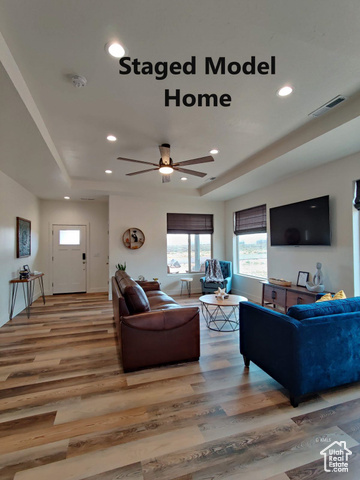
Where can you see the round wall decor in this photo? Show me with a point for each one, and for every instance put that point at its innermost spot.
(133, 238)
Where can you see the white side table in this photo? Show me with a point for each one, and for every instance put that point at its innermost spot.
(187, 283)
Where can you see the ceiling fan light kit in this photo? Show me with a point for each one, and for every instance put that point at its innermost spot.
(166, 165)
(166, 170)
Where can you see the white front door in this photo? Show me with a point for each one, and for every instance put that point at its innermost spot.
(69, 258)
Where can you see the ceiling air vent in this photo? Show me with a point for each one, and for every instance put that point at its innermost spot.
(325, 108)
(87, 199)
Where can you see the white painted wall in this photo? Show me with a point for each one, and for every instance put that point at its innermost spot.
(150, 216)
(92, 213)
(15, 201)
(335, 179)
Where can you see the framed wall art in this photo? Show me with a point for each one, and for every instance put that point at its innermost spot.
(23, 237)
(133, 238)
(303, 277)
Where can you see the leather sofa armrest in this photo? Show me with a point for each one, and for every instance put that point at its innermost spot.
(167, 319)
(160, 337)
(148, 286)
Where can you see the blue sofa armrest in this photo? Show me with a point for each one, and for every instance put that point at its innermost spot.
(270, 339)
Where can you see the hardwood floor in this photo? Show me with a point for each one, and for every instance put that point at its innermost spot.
(69, 412)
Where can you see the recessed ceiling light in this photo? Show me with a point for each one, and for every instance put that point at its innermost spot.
(214, 151)
(108, 171)
(285, 91)
(115, 49)
(111, 138)
(67, 198)
(183, 179)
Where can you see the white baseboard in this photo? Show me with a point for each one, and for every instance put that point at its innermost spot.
(92, 290)
(98, 290)
(248, 296)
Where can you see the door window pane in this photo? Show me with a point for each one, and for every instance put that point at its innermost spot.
(69, 237)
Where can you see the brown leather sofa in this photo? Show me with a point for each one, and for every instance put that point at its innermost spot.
(152, 328)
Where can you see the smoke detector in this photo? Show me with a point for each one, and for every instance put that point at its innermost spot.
(79, 81)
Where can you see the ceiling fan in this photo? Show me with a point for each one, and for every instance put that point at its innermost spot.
(166, 165)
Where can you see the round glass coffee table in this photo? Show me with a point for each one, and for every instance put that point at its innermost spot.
(221, 315)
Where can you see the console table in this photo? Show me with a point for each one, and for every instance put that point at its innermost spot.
(286, 297)
(28, 285)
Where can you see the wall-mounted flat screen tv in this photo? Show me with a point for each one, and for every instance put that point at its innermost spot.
(301, 223)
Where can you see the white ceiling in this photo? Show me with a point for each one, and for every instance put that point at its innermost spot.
(49, 126)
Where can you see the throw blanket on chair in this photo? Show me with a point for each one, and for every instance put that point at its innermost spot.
(213, 272)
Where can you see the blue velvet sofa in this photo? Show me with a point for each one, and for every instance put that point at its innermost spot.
(210, 287)
(312, 348)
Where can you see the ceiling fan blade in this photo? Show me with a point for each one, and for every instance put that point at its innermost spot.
(194, 161)
(165, 153)
(190, 172)
(141, 171)
(165, 178)
(136, 161)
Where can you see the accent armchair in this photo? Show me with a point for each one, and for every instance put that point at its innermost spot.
(210, 287)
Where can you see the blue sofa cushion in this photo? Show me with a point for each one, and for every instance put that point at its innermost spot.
(332, 307)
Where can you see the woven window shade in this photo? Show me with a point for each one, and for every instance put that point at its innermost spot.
(189, 223)
(251, 220)
(357, 195)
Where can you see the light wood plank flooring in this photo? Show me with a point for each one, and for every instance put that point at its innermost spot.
(68, 412)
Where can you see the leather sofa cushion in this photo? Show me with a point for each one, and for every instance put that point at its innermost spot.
(301, 312)
(162, 320)
(159, 300)
(136, 299)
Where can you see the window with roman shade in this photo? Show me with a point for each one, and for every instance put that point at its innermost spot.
(251, 220)
(189, 241)
(190, 223)
(251, 241)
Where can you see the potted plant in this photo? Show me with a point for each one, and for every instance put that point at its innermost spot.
(121, 266)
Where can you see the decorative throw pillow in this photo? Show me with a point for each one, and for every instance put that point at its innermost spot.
(324, 298)
(338, 296)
